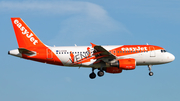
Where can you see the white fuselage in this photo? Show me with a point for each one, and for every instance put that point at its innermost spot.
(143, 58)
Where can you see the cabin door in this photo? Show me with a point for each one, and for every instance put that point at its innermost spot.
(152, 51)
(49, 53)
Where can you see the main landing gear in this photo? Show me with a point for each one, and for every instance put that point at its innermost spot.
(93, 75)
(150, 73)
(100, 73)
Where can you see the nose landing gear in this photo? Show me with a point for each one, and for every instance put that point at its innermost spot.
(150, 73)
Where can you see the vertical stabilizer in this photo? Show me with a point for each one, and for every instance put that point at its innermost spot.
(24, 35)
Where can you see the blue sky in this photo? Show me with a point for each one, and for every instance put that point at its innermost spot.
(66, 22)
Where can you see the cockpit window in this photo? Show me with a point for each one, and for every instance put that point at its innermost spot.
(162, 51)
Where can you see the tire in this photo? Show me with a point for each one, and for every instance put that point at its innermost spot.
(92, 75)
(150, 73)
(100, 73)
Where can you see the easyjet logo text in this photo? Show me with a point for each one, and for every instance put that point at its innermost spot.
(134, 49)
(25, 32)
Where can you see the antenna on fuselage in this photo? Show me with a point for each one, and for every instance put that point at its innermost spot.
(75, 44)
(147, 44)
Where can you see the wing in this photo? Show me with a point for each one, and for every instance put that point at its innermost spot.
(102, 54)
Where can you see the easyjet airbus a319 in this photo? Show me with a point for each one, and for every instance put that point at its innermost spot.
(111, 59)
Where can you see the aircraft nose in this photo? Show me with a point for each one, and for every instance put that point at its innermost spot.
(171, 57)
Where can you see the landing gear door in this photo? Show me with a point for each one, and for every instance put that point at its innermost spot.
(49, 54)
(152, 51)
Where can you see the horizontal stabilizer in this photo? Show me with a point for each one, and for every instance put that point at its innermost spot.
(25, 51)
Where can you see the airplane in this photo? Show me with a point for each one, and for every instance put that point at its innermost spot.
(111, 59)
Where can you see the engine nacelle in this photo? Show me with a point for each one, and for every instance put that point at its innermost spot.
(119, 65)
(126, 64)
(113, 70)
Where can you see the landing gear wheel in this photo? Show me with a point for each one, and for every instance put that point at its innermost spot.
(150, 73)
(100, 73)
(92, 75)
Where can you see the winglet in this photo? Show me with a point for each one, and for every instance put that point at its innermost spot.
(93, 45)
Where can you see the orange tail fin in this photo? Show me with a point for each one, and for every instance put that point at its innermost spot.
(24, 35)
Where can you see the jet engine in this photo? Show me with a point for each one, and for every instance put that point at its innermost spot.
(121, 64)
